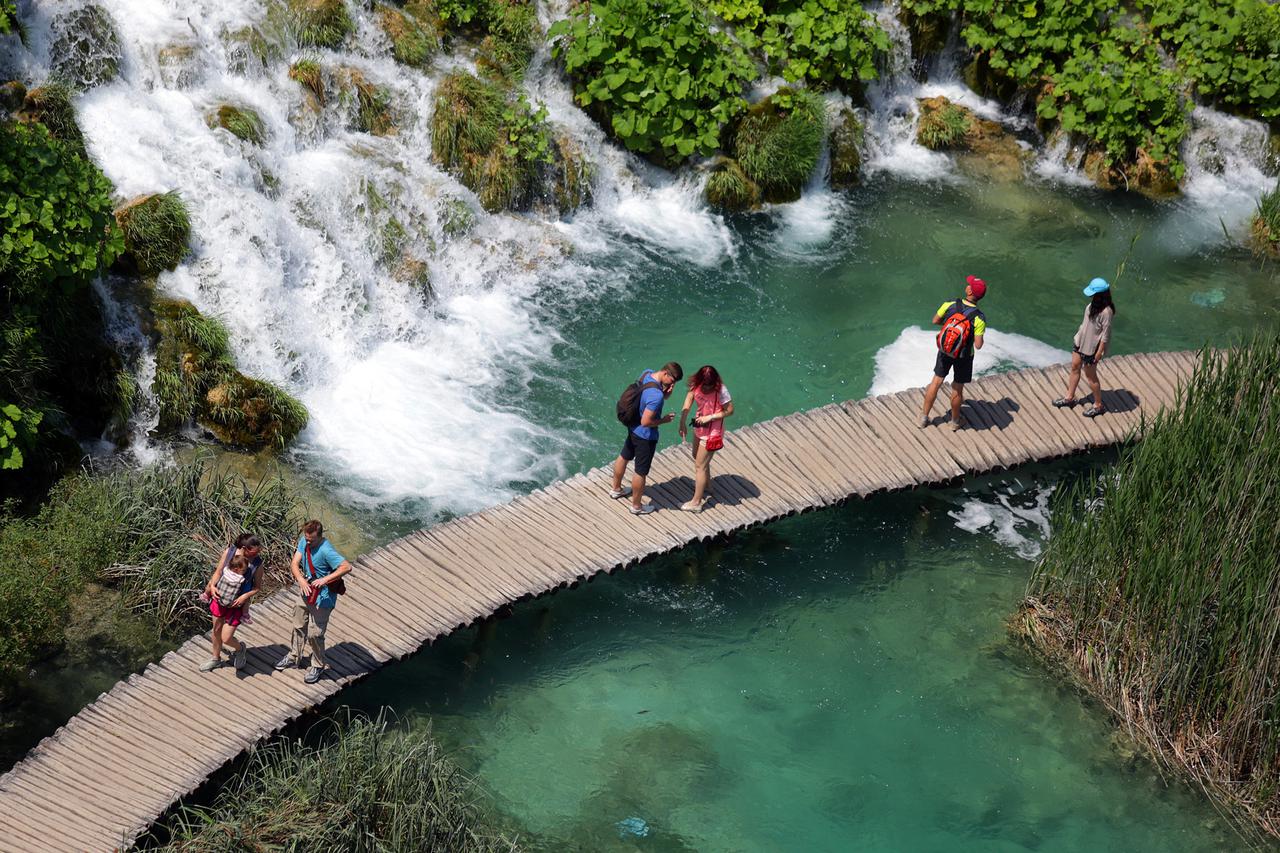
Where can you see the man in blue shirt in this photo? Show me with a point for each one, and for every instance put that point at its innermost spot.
(642, 440)
(316, 566)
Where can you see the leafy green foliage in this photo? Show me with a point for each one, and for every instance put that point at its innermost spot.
(778, 142)
(655, 73)
(8, 17)
(17, 430)
(1231, 49)
(156, 230)
(830, 43)
(364, 785)
(944, 127)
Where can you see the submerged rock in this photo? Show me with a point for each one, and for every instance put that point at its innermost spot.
(85, 50)
(985, 148)
(728, 187)
(845, 145)
(778, 141)
(156, 231)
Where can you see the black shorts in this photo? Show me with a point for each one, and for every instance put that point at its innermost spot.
(1085, 359)
(963, 367)
(641, 450)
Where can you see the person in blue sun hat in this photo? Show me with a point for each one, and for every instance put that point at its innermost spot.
(1090, 345)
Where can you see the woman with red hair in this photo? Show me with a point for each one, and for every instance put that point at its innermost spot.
(708, 394)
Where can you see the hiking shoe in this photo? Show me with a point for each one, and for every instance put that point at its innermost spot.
(1094, 411)
(643, 509)
(241, 655)
(619, 493)
(211, 664)
(1063, 403)
(287, 661)
(313, 675)
(691, 506)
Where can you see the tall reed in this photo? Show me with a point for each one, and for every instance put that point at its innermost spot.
(1160, 586)
(366, 785)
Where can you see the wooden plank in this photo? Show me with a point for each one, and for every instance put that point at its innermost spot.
(932, 462)
(864, 449)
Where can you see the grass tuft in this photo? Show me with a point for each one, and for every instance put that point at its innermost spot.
(243, 123)
(309, 73)
(156, 230)
(321, 23)
(729, 188)
(943, 125)
(778, 141)
(50, 105)
(415, 38)
(1266, 223)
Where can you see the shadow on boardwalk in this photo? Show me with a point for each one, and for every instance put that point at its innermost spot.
(999, 414)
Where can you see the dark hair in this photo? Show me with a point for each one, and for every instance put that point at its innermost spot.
(1101, 302)
(248, 540)
(707, 379)
(313, 527)
(674, 368)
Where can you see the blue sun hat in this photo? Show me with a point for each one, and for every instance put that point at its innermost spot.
(1096, 286)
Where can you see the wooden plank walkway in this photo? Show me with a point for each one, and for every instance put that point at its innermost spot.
(99, 781)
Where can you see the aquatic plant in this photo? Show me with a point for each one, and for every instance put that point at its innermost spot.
(1266, 222)
(778, 141)
(729, 188)
(943, 125)
(310, 75)
(85, 50)
(414, 32)
(354, 783)
(156, 229)
(1159, 587)
(321, 23)
(242, 122)
(654, 73)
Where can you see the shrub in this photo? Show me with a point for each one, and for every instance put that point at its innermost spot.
(85, 50)
(364, 785)
(321, 23)
(1266, 222)
(943, 125)
(1160, 581)
(729, 188)
(156, 230)
(17, 431)
(654, 73)
(413, 41)
(8, 17)
(309, 73)
(242, 122)
(778, 142)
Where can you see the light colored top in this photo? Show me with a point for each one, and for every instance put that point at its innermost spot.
(1094, 331)
(710, 404)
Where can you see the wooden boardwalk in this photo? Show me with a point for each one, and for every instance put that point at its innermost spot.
(101, 779)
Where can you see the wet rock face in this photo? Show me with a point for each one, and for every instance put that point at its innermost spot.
(85, 50)
(985, 148)
(177, 65)
(1145, 175)
(845, 144)
(12, 94)
(729, 189)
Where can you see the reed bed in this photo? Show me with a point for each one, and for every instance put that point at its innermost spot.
(1160, 587)
(362, 784)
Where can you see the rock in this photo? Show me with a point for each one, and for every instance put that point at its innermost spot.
(845, 146)
(85, 50)
(321, 23)
(248, 50)
(778, 141)
(456, 217)
(1097, 168)
(1273, 153)
(991, 83)
(1145, 175)
(177, 64)
(241, 122)
(245, 412)
(156, 231)
(728, 187)
(416, 273)
(928, 32)
(944, 126)
(310, 75)
(414, 39)
(571, 175)
(985, 148)
(12, 94)
(371, 104)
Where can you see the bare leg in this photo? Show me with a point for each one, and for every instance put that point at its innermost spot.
(217, 636)
(1073, 378)
(931, 394)
(957, 400)
(229, 637)
(1091, 374)
(701, 472)
(619, 468)
(637, 490)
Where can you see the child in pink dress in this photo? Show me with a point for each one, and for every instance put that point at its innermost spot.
(708, 394)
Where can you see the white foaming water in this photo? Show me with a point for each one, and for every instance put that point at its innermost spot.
(1226, 160)
(1007, 517)
(908, 361)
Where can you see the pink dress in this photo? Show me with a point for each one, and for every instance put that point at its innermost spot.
(710, 404)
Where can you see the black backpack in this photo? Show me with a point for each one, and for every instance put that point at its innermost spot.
(629, 402)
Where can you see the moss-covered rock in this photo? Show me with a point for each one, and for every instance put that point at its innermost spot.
(321, 23)
(243, 123)
(248, 50)
(310, 75)
(244, 412)
(778, 141)
(414, 32)
(177, 64)
(156, 231)
(12, 94)
(456, 217)
(572, 175)
(845, 145)
(1146, 175)
(511, 29)
(369, 105)
(85, 50)
(928, 32)
(989, 82)
(470, 137)
(50, 106)
(728, 187)
(985, 149)
(1266, 224)
(944, 126)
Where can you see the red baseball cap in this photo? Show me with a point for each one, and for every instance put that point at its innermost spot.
(977, 285)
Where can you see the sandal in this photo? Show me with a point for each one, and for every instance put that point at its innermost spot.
(1094, 411)
(690, 506)
(1064, 403)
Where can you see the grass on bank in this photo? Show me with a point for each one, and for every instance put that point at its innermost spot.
(1160, 588)
(1266, 222)
(363, 785)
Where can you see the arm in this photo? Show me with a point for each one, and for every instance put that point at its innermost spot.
(296, 568)
(650, 419)
(977, 342)
(333, 575)
(937, 319)
(213, 580)
(684, 414)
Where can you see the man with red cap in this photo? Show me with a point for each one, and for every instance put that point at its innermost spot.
(963, 326)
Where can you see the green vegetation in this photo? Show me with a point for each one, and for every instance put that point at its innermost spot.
(17, 430)
(364, 785)
(152, 536)
(654, 73)
(309, 73)
(8, 17)
(1266, 222)
(156, 229)
(85, 50)
(573, 175)
(1159, 587)
(830, 43)
(495, 142)
(506, 29)
(729, 188)
(370, 104)
(943, 125)
(778, 141)
(321, 23)
(414, 32)
(196, 380)
(242, 122)
(50, 105)
(845, 144)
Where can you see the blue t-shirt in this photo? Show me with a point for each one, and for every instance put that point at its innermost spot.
(651, 400)
(325, 559)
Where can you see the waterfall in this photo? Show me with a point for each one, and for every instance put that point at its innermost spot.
(1227, 166)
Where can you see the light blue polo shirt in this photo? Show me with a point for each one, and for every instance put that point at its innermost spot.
(651, 400)
(325, 559)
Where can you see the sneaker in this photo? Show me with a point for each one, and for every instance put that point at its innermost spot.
(1094, 411)
(287, 661)
(924, 422)
(238, 660)
(1063, 402)
(691, 506)
(211, 664)
(313, 674)
(619, 493)
(643, 509)
(957, 424)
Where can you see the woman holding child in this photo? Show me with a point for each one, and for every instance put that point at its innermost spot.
(711, 399)
(234, 582)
